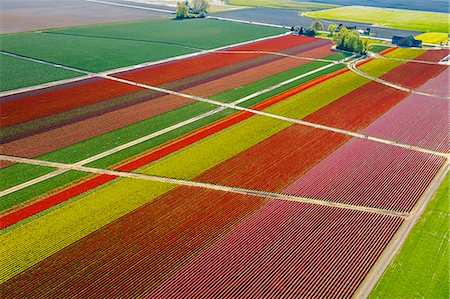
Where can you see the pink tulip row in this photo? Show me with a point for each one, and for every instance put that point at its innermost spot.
(418, 120)
(439, 85)
(367, 173)
(287, 250)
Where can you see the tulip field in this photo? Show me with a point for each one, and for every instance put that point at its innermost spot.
(266, 168)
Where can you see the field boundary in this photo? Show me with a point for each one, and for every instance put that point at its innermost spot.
(292, 120)
(192, 183)
(353, 67)
(168, 129)
(400, 236)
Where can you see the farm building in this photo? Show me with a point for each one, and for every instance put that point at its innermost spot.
(406, 41)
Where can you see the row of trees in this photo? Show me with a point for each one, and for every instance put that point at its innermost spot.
(349, 40)
(192, 9)
(345, 39)
(310, 31)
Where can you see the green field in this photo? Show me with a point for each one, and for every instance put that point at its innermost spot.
(285, 4)
(108, 46)
(393, 18)
(16, 73)
(420, 269)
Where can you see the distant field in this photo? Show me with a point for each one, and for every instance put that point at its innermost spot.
(420, 269)
(428, 5)
(17, 73)
(394, 18)
(285, 4)
(104, 47)
(433, 37)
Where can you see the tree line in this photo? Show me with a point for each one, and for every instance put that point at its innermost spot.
(344, 38)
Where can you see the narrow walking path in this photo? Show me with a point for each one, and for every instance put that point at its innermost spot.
(352, 66)
(292, 120)
(197, 184)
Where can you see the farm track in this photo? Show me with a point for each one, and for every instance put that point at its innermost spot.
(125, 174)
(353, 67)
(257, 112)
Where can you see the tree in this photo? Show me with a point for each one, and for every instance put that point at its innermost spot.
(349, 40)
(317, 25)
(182, 10)
(200, 6)
(332, 28)
(195, 9)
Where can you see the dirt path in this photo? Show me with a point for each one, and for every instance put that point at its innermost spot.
(292, 120)
(353, 68)
(67, 167)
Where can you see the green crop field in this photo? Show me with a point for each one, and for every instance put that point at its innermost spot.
(285, 4)
(108, 46)
(17, 73)
(393, 18)
(420, 269)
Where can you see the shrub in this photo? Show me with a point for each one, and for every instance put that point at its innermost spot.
(317, 26)
(310, 32)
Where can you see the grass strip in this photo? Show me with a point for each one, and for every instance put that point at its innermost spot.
(19, 173)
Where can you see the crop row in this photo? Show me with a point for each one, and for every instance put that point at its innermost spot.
(373, 174)
(286, 250)
(24, 107)
(358, 108)
(412, 74)
(438, 85)
(418, 120)
(25, 245)
(276, 161)
(136, 252)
